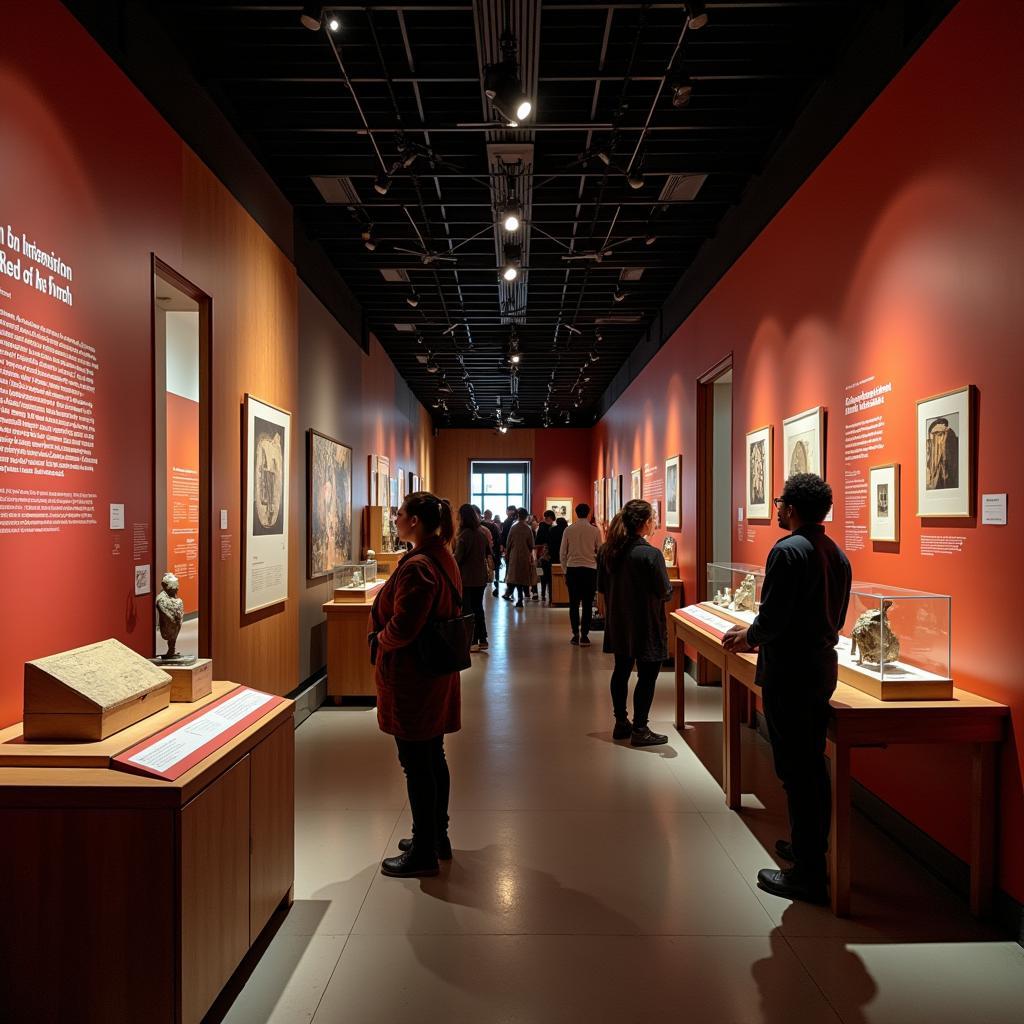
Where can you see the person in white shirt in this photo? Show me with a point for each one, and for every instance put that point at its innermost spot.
(578, 555)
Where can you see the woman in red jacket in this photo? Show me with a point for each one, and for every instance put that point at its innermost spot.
(418, 709)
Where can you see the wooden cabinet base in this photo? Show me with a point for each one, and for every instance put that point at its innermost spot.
(349, 672)
(135, 898)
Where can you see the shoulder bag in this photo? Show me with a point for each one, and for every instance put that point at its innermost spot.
(443, 645)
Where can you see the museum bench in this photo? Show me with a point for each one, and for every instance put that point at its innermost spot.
(132, 898)
(858, 719)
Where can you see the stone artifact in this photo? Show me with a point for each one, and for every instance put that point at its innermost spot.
(743, 599)
(873, 640)
(91, 692)
(170, 610)
(723, 597)
(668, 550)
(357, 578)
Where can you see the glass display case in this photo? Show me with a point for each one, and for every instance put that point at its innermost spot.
(352, 580)
(895, 643)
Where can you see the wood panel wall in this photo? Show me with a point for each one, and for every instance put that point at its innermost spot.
(255, 350)
(453, 450)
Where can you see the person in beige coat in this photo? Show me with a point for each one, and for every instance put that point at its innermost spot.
(520, 572)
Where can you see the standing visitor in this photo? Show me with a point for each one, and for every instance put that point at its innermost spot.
(472, 544)
(506, 526)
(635, 584)
(804, 600)
(544, 532)
(578, 555)
(534, 524)
(414, 707)
(496, 548)
(519, 569)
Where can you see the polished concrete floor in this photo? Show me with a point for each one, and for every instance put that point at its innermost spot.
(591, 881)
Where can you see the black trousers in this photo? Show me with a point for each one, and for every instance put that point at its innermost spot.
(797, 721)
(474, 598)
(545, 580)
(582, 585)
(429, 784)
(643, 695)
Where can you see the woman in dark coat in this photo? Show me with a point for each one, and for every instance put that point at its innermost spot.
(418, 709)
(520, 572)
(632, 576)
(472, 546)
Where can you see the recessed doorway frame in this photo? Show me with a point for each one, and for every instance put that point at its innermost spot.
(165, 272)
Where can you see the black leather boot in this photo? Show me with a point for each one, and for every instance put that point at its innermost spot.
(409, 865)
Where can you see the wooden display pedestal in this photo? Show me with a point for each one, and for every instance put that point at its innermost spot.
(190, 682)
(349, 672)
(386, 562)
(132, 898)
(362, 596)
(913, 687)
(559, 591)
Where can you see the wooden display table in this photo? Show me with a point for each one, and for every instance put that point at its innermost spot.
(133, 898)
(559, 591)
(860, 720)
(349, 672)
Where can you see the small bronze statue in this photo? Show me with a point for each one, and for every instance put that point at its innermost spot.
(170, 610)
(873, 640)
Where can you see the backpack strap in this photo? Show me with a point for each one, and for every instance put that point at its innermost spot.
(447, 578)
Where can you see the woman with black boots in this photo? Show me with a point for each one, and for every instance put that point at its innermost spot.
(472, 546)
(632, 576)
(414, 707)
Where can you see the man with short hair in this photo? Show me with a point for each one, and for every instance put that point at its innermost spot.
(578, 555)
(544, 554)
(804, 599)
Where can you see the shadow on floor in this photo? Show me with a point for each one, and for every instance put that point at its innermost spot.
(663, 750)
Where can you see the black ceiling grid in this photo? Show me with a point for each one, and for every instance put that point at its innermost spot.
(596, 74)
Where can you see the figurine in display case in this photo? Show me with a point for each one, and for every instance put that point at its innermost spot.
(170, 610)
(744, 598)
(355, 576)
(668, 550)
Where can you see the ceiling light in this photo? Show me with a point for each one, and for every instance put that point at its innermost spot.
(367, 237)
(510, 273)
(635, 179)
(382, 184)
(334, 24)
(697, 12)
(523, 109)
(650, 239)
(311, 16)
(513, 253)
(681, 87)
(412, 300)
(515, 357)
(604, 157)
(593, 357)
(432, 367)
(619, 296)
(503, 88)
(510, 214)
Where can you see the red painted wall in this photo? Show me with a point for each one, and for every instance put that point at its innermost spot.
(898, 260)
(561, 466)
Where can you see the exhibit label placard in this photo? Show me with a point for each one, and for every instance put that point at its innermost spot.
(174, 750)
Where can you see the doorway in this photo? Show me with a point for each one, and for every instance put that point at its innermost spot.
(714, 484)
(495, 485)
(181, 451)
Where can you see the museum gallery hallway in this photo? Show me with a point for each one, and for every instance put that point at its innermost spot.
(592, 881)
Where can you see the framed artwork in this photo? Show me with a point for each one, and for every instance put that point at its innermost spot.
(393, 492)
(759, 473)
(656, 506)
(945, 464)
(884, 502)
(329, 508)
(635, 486)
(596, 508)
(619, 494)
(803, 443)
(609, 499)
(560, 506)
(414, 483)
(379, 490)
(401, 478)
(673, 514)
(266, 476)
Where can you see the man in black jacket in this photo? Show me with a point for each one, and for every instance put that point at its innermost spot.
(511, 518)
(803, 606)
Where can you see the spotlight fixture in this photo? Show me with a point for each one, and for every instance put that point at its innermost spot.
(650, 239)
(681, 87)
(599, 336)
(619, 296)
(432, 367)
(510, 214)
(502, 85)
(635, 179)
(593, 357)
(334, 24)
(367, 237)
(444, 387)
(412, 299)
(697, 13)
(514, 357)
(513, 254)
(382, 184)
(604, 157)
(311, 16)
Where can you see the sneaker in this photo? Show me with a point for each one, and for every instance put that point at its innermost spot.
(474, 648)
(623, 729)
(483, 645)
(409, 865)
(645, 738)
(584, 641)
(575, 641)
(444, 847)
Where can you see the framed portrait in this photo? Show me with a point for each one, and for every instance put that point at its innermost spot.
(596, 507)
(656, 506)
(379, 490)
(400, 477)
(673, 514)
(635, 486)
(329, 505)
(884, 502)
(562, 507)
(393, 492)
(945, 464)
(266, 475)
(759, 473)
(414, 482)
(803, 443)
(609, 498)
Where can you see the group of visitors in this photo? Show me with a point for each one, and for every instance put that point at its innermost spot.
(803, 605)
